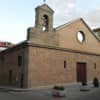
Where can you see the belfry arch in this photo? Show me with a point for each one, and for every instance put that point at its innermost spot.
(45, 23)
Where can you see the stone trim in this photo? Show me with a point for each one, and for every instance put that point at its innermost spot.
(63, 49)
(28, 43)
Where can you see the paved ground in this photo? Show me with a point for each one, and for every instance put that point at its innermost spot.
(72, 93)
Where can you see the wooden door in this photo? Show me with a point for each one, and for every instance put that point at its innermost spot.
(81, 72)
(22, 76)
(10, 76)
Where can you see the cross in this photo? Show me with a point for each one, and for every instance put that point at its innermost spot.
(44, 1)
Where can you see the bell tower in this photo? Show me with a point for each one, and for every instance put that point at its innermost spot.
(43, 33)
(44, 18)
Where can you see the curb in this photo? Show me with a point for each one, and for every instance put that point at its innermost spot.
(14, 90)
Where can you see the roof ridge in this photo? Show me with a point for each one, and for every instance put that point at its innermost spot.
(68, 23)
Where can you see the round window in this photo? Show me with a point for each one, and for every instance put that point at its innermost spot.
(80, 36)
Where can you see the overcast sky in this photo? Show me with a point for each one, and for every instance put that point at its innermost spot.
(17, 15)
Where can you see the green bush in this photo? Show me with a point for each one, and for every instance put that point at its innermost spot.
(58, 88)
(96, 82)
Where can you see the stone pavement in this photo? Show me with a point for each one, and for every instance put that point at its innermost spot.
(72, 92)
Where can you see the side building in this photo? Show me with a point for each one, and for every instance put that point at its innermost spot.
(5, 45)
(97, 32)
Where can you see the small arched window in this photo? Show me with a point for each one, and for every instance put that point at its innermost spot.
(45, 23)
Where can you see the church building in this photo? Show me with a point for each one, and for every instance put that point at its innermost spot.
(49, 56)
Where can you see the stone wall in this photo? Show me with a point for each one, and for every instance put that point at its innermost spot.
(68, 37)
(44, 38)
(46, 66)
(9, 62)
